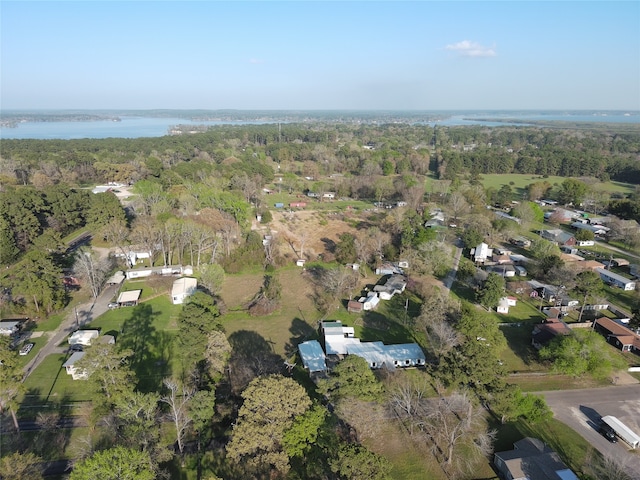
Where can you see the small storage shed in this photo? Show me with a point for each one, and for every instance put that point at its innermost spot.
(70, 367)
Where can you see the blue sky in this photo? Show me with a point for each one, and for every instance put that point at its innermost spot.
(420, 55)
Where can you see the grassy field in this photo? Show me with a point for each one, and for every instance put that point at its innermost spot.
(520, 181)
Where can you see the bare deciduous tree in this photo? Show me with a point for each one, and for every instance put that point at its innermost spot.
(92, 270)
(451, 424)
(178, 400)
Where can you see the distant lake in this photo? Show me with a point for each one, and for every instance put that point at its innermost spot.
(506, 118)
(136, 127)
(128, 127)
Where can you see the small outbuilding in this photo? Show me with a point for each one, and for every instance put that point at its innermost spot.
(312, 356)
(70, 367)
(182, 288)
(129, 298)
(83, 337)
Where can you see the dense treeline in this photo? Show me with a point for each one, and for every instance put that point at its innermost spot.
(325, 149)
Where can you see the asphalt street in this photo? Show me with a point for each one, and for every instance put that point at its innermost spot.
(581, 410)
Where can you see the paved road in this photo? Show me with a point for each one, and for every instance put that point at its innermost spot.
(581, 410)
(86, 313)
(616, 249)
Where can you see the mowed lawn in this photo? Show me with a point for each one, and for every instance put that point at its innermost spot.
(520, 182)
(147, 329)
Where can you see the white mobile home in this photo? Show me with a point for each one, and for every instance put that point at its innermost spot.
(616, 280)
(379, 355)
(83, 337)
(182, 288)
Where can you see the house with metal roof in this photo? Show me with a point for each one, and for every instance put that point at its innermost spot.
(312, 356)
(379, 355)
(616, 280)
(336, 337)
(129, 298)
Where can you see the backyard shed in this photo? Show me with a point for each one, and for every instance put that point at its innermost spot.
(70, 367)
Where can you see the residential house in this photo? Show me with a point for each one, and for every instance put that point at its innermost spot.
(83, 337)
(596, 229)
(618, 335)
(504, 303)
(379, 355)
(561, 215)
(613, 279)
(560, 237)
(70, 367)
(481, 253)
(503, 270)
(312, 356)
(394, 285)
(336, 337)
(544, 332)
(531, 459)
(182, 288)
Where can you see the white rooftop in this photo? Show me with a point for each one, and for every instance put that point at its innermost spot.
(129, 296)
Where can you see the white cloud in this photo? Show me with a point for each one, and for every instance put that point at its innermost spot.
(255, 61)
(471, 49)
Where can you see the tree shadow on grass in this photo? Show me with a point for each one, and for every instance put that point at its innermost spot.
(300, 332)
(377, 327)
(252, 356)
(519, 341)
(151, 348)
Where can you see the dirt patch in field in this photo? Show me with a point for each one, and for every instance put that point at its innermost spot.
(238, 290)
(309, 234)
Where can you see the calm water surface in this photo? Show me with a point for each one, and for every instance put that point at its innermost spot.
(136, 127)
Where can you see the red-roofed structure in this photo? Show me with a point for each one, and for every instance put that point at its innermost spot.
(618, 335)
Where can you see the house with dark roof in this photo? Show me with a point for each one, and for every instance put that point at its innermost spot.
(531, 459)
(618, 335)
(544, 332)
(559, 237)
